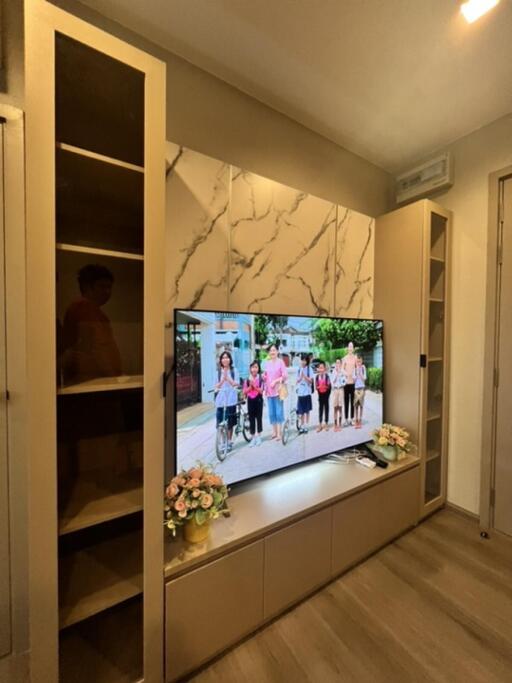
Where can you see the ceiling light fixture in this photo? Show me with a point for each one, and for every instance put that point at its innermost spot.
(474, 9)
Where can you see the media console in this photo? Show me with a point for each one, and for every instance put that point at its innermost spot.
(287, 535)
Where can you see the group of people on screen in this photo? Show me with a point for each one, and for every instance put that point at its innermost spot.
(345, 383)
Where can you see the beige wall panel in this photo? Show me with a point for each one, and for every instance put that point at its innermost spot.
(212, 607)
(282, 246)
(402, 342)
(364, 522)
(475, 156)
(355, 236)
(297, 560)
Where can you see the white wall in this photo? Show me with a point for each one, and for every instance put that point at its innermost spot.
(209, 116)
(476, 156)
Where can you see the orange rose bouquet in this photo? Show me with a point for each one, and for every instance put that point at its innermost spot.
(197, 495)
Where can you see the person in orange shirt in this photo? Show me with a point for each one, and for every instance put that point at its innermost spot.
(88, 345)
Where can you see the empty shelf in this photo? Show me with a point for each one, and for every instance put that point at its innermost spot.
(104, 384)
(99, 576)
(98, 497)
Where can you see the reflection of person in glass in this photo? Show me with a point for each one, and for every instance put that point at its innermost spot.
(89, 347)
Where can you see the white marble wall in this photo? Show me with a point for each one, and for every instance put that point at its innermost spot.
(197, 199)
(353, 294)
(238, 241)
(282, 248)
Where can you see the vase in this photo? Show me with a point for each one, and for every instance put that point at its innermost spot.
(388, 452)
(196, 533)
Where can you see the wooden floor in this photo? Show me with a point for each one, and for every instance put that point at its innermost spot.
(436, 605)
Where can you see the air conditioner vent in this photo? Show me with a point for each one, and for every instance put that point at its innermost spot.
(430, 177)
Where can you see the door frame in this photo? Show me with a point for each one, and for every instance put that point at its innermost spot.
(488, 445)
(15, 329)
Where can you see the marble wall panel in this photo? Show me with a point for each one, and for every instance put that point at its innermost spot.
(353, 295)
(282, 248)
(197, 201)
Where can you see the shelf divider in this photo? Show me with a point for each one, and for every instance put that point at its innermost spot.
(96, 251)
(103, 384)
(99, 157)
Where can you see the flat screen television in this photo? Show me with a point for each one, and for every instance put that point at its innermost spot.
(256, 392)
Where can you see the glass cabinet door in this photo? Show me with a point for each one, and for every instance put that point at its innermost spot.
(435, 379)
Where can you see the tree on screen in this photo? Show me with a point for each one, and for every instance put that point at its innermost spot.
(336, 334)
(269, 328)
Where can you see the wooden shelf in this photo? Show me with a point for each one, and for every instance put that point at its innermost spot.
(98, 157)
(105, 649)
(98, 577)
(436, 259)
(103, 384)
(430, 497)
(100, 497)
(436, 300)
(433, 416)
(109, 119)
(432, 455)
(98, 204)
(78, 249)
(435, 359)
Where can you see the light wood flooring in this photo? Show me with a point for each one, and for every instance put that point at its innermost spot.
(435, 605)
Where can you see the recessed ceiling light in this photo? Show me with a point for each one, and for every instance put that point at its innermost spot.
(474, 9)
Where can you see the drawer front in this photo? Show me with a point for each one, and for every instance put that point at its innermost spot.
(212, 607)
(297, 560)
(366, 521)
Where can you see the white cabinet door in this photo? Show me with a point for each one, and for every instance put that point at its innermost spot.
(503, 467)
(5, 588)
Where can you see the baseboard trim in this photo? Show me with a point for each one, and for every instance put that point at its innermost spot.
(463, 512)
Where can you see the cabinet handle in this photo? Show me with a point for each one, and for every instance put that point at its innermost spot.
(423, 360)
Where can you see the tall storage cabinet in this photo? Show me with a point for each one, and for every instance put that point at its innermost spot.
(412, 260)
(95, 111)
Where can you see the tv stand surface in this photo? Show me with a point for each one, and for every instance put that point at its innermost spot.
(288, 534)
(266, 504)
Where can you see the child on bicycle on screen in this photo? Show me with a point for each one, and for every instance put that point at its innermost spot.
(253, 390)
(226, 397)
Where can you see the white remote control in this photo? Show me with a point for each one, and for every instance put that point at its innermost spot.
(366, 462)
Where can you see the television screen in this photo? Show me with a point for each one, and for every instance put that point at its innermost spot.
(257, 392)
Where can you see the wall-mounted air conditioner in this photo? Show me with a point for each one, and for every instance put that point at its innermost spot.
(424, 180)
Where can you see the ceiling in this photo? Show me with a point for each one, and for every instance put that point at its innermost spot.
(391, 80)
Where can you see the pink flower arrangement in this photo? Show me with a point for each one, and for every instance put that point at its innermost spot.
(391, 435)
(197, 494)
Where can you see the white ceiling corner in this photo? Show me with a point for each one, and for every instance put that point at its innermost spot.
(391, 80)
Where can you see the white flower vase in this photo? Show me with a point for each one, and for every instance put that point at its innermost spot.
(390, 453)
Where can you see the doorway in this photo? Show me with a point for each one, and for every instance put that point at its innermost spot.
(496, 491)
